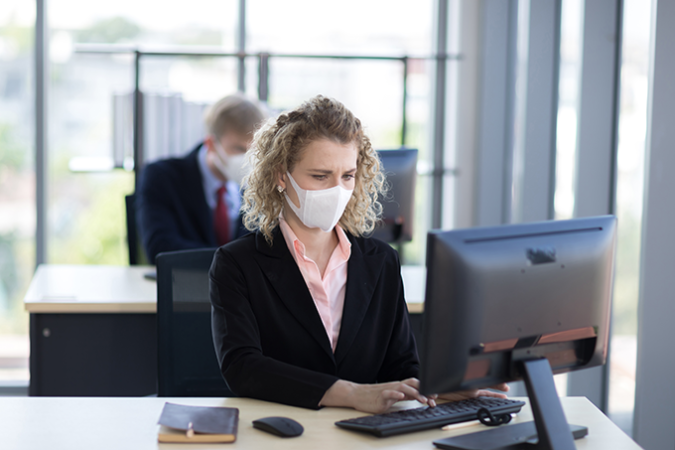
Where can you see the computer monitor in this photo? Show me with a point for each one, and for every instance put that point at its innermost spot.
(400, 168)
(517, 302)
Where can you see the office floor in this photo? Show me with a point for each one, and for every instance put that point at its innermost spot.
(14, 351)
(14, 374)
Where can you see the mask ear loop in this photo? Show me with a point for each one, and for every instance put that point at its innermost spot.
(300, 192)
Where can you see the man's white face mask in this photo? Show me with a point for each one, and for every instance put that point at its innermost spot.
(319, 209)
(231, 166)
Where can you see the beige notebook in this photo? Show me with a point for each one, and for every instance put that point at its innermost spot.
(183, 423)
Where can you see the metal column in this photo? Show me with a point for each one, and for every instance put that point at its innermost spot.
(41, 129)
(495, 133)
(534, 153)
(598, 107)
(138, 122)
(241, 47)
(439, 114)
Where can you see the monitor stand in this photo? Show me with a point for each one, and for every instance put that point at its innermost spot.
(549, 431)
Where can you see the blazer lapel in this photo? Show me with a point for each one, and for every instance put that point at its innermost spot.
(283, 273)
(363, 273)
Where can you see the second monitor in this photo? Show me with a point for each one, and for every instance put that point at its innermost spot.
(400, 168)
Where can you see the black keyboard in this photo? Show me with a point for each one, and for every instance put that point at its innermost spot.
(424, 418)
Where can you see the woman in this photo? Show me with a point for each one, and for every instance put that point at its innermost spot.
(306, 311)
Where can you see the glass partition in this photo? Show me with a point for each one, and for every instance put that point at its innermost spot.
(86, 197)
(17, 185)
(373, 27)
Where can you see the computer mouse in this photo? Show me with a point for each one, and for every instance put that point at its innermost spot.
(280, 426)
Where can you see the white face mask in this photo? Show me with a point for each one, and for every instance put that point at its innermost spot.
(319, 209)
(231, 166)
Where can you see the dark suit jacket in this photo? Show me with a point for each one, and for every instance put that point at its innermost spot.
(269, 338)
(171, 209)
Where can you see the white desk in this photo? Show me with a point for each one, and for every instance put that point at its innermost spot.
(54, 423)
(91, 289)
(123, 289)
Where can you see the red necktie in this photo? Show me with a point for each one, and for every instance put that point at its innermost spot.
(221, 218)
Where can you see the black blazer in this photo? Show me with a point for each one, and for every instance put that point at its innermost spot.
(171, 209)
(268, 335)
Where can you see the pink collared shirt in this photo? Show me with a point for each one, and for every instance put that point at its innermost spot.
(328, 292)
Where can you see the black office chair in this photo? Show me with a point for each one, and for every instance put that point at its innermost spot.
(188, 366)
(136, 252)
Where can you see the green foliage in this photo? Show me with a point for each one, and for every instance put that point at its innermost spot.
(102, 228)
(98, 233)
(416, 138)
(388, 138)
(109, 31)
(627, 275)
(20, 36)
(8, 270)
(199, 37)
(16, 269)
(12, 154)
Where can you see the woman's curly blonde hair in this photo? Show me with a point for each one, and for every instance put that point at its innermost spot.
(276, 148)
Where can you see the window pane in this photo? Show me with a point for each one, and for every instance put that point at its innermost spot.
(373, 90)
(86, 198)
(379, 27)
(630, 182)
(17, 185)
(147, 22)
(86, 215)
(568, 106)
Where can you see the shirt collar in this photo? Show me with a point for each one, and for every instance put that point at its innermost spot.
(293, 243)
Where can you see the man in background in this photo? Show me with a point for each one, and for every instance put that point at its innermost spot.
(194, 201)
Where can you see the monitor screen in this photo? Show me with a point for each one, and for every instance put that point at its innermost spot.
(400, 168)
(500, 297)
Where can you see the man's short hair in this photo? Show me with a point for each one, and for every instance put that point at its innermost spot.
(234, 113)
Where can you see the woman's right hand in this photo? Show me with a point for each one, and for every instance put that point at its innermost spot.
(373, 398)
